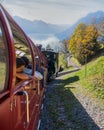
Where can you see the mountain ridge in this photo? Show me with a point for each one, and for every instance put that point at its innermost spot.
(42, 30)
(39, 26)
(91, 18)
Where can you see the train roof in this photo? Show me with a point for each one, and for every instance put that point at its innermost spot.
(49, 51)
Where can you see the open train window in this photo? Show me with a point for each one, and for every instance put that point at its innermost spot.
(22, 48)
(4, 60)
(37, 58)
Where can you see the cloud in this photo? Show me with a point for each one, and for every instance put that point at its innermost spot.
(53, 11)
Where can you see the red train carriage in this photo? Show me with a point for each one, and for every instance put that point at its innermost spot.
(20, 100)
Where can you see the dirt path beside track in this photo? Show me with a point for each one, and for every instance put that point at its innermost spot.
(85, 112)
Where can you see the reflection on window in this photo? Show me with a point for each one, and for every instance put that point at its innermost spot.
(2, 62)
(37, 59)
(22, 49)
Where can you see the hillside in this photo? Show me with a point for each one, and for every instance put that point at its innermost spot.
(92, 77)
(91, 18)
(39, 28)
(42, 30)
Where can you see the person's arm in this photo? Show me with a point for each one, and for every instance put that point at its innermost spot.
(22, 76)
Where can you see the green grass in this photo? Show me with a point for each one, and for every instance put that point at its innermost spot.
(62, 61)
(75, 61)
(92, 77)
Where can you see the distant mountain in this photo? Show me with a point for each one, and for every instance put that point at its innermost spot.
(91, 18)
(39, 28)
(25, 24)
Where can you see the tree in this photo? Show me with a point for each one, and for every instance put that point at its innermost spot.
(65, 44)
(83, 43)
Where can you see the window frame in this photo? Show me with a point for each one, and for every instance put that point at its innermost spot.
(14, 25)
(7, 36)
(5, 91)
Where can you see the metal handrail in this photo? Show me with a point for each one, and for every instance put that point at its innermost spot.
(27, 103)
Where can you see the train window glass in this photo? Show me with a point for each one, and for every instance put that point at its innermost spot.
(22, 47)
(3, 60)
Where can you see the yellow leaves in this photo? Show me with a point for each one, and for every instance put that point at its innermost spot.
(83, 40)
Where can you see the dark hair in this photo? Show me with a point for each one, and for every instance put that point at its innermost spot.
(26, 60)
(19, 62)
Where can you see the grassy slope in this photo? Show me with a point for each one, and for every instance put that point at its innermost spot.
(91, 77)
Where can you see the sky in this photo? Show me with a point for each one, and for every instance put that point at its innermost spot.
(53, 11)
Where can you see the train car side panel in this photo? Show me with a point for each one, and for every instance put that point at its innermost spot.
(5, 80)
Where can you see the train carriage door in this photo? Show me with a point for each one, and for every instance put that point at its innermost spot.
(6, 78)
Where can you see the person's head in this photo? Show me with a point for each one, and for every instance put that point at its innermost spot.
(26, 60)
(20, 64)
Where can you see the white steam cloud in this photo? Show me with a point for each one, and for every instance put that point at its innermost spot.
(53, 42)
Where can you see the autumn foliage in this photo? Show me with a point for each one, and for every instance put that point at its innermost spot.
(83, 42)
